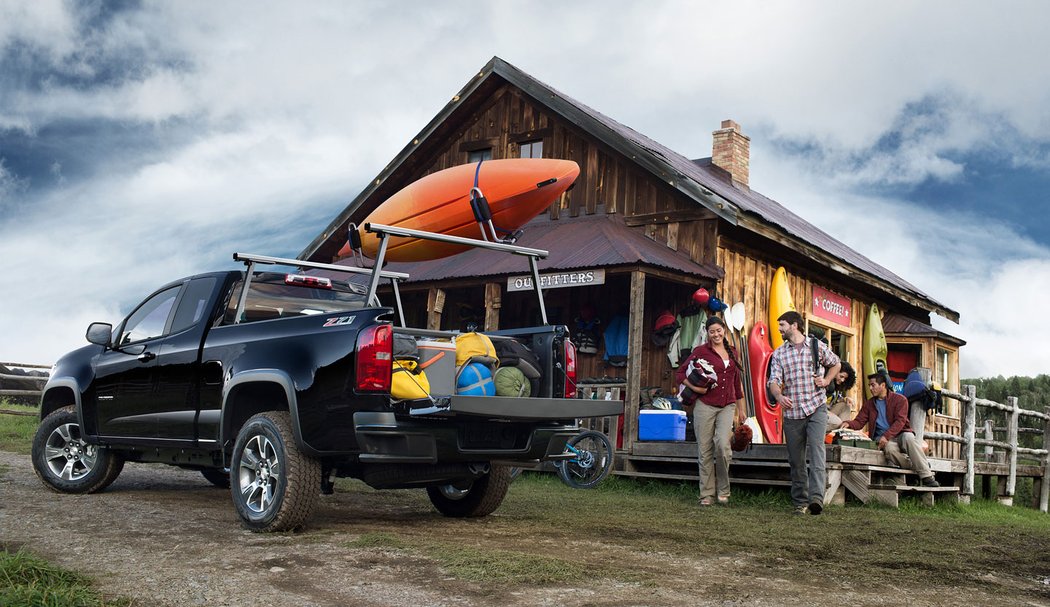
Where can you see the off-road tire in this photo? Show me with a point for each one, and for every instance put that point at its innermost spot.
(273, 484)
(475, 499)
(59, 450)
(217, 476)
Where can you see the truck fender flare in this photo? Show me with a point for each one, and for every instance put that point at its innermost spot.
(64, 381)
(272, 376)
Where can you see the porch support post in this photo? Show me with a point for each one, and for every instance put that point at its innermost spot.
(634, 360)
(493, 295)
(435, 306)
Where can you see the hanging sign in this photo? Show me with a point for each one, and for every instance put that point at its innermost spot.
(831, 306)
(557, 280)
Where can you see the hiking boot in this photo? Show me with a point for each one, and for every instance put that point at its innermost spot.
(816, 508)
(930, 481)
(801, 510)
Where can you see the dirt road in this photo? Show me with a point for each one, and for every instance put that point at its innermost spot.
(165, 537)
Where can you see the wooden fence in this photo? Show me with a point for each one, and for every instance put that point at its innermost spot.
(969, 441)
(22, 381)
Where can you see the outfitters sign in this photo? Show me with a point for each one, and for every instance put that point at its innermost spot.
(831, 306)
(577, 278)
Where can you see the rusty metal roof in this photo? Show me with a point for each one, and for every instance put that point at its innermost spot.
(895, 324)
(581, 242)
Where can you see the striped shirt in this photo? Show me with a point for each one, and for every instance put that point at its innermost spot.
(792, 368)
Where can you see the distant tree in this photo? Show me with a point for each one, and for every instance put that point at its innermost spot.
(1033, 393)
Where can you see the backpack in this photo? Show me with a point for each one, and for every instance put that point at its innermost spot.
(408, 381)
(475, 347)
(918, 390)
(513, 353)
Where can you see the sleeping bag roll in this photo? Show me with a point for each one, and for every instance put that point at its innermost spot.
(511, 381)
(475, 379)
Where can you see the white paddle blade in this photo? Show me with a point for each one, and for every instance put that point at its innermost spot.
(756, 430)
(738, 315)
(727, 316)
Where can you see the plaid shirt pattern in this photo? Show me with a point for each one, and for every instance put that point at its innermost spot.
(792, 368)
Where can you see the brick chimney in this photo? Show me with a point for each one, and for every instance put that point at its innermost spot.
(732, 151)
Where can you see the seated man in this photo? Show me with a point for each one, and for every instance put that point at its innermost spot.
(886, 415)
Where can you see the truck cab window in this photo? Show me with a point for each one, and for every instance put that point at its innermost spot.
(149, 320)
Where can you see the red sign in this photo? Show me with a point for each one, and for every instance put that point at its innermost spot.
(831, 306)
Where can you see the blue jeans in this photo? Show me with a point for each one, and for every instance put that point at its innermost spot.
(806, 437)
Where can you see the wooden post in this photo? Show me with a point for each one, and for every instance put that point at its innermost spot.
(493, 293)
(1044, 485)
(435, 306)
(989, 434)
(1011, 438)
(634, 360)
(969, 411)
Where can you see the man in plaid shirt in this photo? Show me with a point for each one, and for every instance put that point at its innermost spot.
(800, 392)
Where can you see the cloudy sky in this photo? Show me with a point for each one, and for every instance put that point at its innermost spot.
(144, 141)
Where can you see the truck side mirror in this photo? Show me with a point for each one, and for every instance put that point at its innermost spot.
(99, 333)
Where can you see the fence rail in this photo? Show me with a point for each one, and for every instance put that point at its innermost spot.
(7, 379)
(969, 440)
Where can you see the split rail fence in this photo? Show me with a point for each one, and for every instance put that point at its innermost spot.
(969, 441)
(7, 379)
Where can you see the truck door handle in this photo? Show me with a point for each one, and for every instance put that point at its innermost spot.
(147, 356)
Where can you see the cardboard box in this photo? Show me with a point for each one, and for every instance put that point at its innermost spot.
(438, 360)
(661, 424)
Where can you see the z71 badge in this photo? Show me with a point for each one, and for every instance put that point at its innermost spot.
(339, 320)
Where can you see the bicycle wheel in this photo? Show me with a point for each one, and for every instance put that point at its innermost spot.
(592, 461)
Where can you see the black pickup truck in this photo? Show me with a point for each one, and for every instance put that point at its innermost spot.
(278, 389)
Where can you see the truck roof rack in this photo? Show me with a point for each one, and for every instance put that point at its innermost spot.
(385, 232)
(250, 260)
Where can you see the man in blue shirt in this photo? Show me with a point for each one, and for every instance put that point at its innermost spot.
(886, 415)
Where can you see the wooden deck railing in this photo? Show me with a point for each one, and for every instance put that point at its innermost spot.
(968, 441)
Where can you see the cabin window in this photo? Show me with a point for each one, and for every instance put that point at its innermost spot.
(944, 367)
(531, 149)
(838, 341)
(479, 155)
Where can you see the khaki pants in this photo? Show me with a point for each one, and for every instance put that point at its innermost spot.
(838, 412)
(714, 428)
(905, 451)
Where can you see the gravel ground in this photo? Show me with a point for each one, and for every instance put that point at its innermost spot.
(165, 537)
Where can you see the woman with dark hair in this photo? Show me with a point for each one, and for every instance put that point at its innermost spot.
(840, 406)
(717, 407)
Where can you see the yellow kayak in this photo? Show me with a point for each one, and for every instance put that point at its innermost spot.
(779, 302)
(873, 345)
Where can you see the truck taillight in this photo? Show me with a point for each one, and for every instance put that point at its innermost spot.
(570, 369)
(375, 347)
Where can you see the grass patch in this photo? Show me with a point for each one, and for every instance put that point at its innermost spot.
(511, 567)
(378, 540)
(27, 581)
(16, 431)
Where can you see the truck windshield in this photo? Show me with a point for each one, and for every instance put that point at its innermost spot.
(269, 297)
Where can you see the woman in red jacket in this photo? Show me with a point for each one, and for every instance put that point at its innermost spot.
(716, 409)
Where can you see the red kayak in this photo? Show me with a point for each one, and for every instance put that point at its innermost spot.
(517, 190)
(768, 413)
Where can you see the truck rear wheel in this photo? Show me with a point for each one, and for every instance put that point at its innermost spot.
(65, 462)
(478, 498)
(274, 485)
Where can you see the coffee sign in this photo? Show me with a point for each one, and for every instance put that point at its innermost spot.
(831, 306)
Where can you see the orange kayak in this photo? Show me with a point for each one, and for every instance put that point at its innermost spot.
(517, 190)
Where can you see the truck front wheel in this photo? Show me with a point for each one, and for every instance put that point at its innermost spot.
(472, 499)
(68, 464)
(274, 485)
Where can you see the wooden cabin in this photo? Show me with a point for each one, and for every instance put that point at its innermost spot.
(640, 231)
